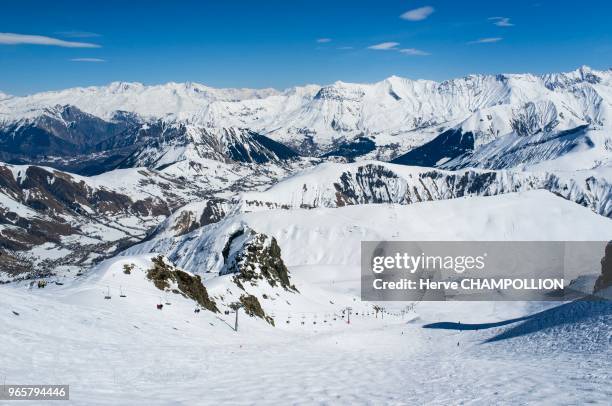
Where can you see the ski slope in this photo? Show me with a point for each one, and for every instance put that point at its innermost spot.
(111, 350)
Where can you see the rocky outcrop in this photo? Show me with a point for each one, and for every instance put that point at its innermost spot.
(192, 216)
(166, 277)
(253, 257)
(366, 183)
(253, 308)
(605, 279)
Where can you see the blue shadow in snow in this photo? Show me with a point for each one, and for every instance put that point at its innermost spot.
(568, 313)
(448, 325)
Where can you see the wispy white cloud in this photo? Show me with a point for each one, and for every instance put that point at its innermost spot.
(393, 46)
(78, 34)
(486, 40)
(384, 46)
(418, 14)
(323, 40)
(414, 52)
(88, 60)
(501, 21)
(7, 38)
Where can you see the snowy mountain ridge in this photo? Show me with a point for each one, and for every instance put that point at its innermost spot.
(175, 98)
(366, 182)
(322, 114)
(488, 121)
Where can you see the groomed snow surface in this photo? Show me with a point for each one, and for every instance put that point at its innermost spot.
(111, 354)
(125, 351)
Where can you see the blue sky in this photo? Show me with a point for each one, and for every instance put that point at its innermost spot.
(51, 45)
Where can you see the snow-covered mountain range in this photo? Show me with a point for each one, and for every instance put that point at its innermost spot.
(129, 163)
(383, 120)
(139, 223)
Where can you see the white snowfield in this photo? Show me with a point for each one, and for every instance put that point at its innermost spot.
(124, 350)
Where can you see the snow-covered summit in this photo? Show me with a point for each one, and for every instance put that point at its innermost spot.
(144, 100)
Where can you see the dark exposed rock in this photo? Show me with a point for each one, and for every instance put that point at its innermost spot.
(128, 268)
(14, 263)
(186, 221)
(230, 241)
(163, 274)
(605, 279)
(253, 308)
(253, 257)
(372, 183)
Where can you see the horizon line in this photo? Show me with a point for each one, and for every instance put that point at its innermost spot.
(281, 90)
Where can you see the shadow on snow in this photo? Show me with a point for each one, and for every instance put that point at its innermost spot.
(568, 313)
